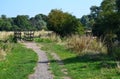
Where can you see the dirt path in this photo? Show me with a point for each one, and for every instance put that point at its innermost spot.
(42, 68)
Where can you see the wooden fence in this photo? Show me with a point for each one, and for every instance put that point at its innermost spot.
(27, 35)
(17, 35)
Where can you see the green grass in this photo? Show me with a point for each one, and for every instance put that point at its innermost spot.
(45, 40)
(19, 63)
(55, 67)
(86, 66)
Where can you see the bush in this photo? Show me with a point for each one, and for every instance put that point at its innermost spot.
(12, 39)
(116, 52)
(4, 49)
(63, 23)
(85, 44)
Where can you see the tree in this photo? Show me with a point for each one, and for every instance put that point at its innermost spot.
(89, 20)
(85, 20)
(39, 21)
(108, 6)
(5, 23)
(63, 23)
(118, 5)
(22, 21)
(108, 25)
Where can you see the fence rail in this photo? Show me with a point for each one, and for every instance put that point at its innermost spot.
(28, 35)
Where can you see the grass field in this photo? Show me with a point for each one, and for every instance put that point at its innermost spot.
(88, 66)
(19, 63)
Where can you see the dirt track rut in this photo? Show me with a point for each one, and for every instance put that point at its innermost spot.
(42, 68)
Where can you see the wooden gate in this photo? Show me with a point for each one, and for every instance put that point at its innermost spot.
(17, 35)
(28, 35)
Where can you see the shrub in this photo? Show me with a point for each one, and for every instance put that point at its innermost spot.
(116, 52)
(85, 44)
(4, 49)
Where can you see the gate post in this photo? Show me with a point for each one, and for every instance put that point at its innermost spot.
(17, 35)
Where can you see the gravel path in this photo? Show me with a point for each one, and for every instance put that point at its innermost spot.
(42, 68)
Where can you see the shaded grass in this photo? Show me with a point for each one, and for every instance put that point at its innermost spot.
(19, 63)
(55, 67)
(98, 66)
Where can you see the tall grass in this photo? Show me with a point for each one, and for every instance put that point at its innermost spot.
(4, 49)
(85, 44)
(5, 43)
(5, 35)
(53, 37)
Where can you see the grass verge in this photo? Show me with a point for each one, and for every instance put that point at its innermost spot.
(88, 66)
(54, 67)
(19, 63)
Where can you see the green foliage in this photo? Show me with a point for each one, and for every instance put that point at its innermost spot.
(85, 20)
(45, 40)
(108, 6)
(105, 21)
(116, 52)
(63, 23)
(118, 5)
(22, 21)
(5, 23)
(19, 63)
(12, 39)
(39, 22)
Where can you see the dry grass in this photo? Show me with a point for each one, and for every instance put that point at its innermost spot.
(42, 33)
(85, 44)
(2, 55)
(4, 47)
(5, 35)
(55, 37)
(48, 35)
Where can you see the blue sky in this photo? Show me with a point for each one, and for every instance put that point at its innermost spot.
(12, 8)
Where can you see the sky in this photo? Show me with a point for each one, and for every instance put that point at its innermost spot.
(12, 8)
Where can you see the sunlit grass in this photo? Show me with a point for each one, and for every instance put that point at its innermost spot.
(19, 63)
(87, 66)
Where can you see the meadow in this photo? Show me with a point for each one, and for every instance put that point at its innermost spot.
(84, 63)
(84, 57)
(16, 61)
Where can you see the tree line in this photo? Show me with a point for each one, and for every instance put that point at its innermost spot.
(58, 21)
(104, 21)
(22, 22)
